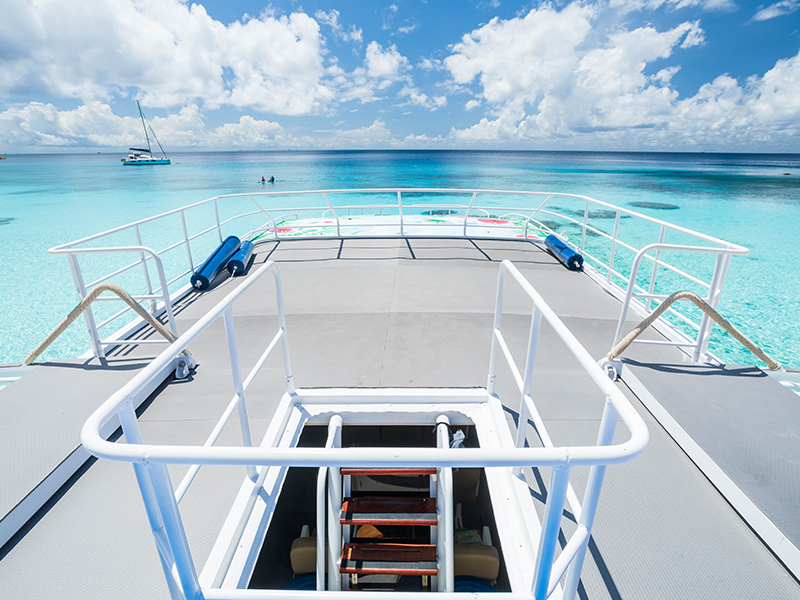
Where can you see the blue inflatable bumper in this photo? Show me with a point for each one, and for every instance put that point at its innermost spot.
(238, 262)
(568, 256)
(204, 276)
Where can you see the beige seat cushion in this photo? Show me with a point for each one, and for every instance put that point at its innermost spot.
(303, 555)
(477, 560)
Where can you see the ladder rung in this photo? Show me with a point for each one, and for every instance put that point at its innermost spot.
(370, 471)
(380, 510)
(395, 559)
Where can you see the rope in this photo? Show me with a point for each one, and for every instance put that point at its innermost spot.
(707, 309)
(84, 304)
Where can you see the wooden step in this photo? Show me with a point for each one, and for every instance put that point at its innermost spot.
(369, 471)
(385, 510)
(389, 559)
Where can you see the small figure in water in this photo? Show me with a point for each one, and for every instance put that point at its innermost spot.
(263, 180)
(272, 179)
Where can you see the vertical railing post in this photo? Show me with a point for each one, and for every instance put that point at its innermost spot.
(88, 315)
(498, 313)
(238, 385)
(527, 384)
(326, 500)
(706, 324)
(162, 278)
(559, 479)
(322, 550)
(287, 364)
(613, 248)
(175, 533)
(444, 509)
(334, 528)
(130, 427)
(186, 241)
(585, 222)
(335, 215)
(655, 268)
(469, 209)
(400, 205)
(216, 214)
(591, 497)
(151, 302)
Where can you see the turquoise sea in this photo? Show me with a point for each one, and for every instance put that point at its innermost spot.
(749, 199)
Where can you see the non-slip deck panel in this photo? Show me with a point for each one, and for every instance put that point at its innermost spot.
(745, 421)
(41, 416)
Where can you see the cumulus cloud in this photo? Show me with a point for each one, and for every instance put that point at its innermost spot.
(386, 64)
(174, 52)
(547, 75)
(417, 97)
(351, 34)
(785, 7)
(94, 124)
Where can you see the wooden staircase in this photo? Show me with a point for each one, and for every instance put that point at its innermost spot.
(390, 555)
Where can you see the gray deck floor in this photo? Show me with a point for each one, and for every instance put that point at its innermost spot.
(391, 313)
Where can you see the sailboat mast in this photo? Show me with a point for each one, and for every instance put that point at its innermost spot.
(147, 137)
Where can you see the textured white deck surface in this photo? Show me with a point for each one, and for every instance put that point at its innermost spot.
(375, 313)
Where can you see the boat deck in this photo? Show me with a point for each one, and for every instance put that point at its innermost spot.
(391, 313)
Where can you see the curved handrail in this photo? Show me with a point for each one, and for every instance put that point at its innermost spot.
(362, 457)
(84, 304)
(707, 309)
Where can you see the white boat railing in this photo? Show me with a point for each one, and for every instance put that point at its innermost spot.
(162, 500)
(410, 213)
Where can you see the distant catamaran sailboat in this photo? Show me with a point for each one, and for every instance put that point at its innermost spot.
(140, 156)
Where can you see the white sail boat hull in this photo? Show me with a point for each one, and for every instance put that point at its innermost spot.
(137, 159)
(140, 156)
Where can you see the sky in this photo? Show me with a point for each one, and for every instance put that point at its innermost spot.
(627, 75)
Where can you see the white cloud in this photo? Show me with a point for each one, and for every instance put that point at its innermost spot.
(94, 124)
(415, 96)
(431, 64)
(386, 64)
(520, 57)
(174, 52)
(551, 75)
(352, 34)
(785, 7)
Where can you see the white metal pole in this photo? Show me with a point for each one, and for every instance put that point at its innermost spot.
(550, 528)
(287, 363)
(130, 427)
(219, 227)
(706, 324)
(530, 365)
(238, 384)
(585, 221)
(173, 527)
(88, 315)
(144, 269)
(655, 268)
(613, 248)
(162, 278)
(605, 437)
(186, 241)
(444, 508)
(498, 315)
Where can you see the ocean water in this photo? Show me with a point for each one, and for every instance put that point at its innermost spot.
(748, 199)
